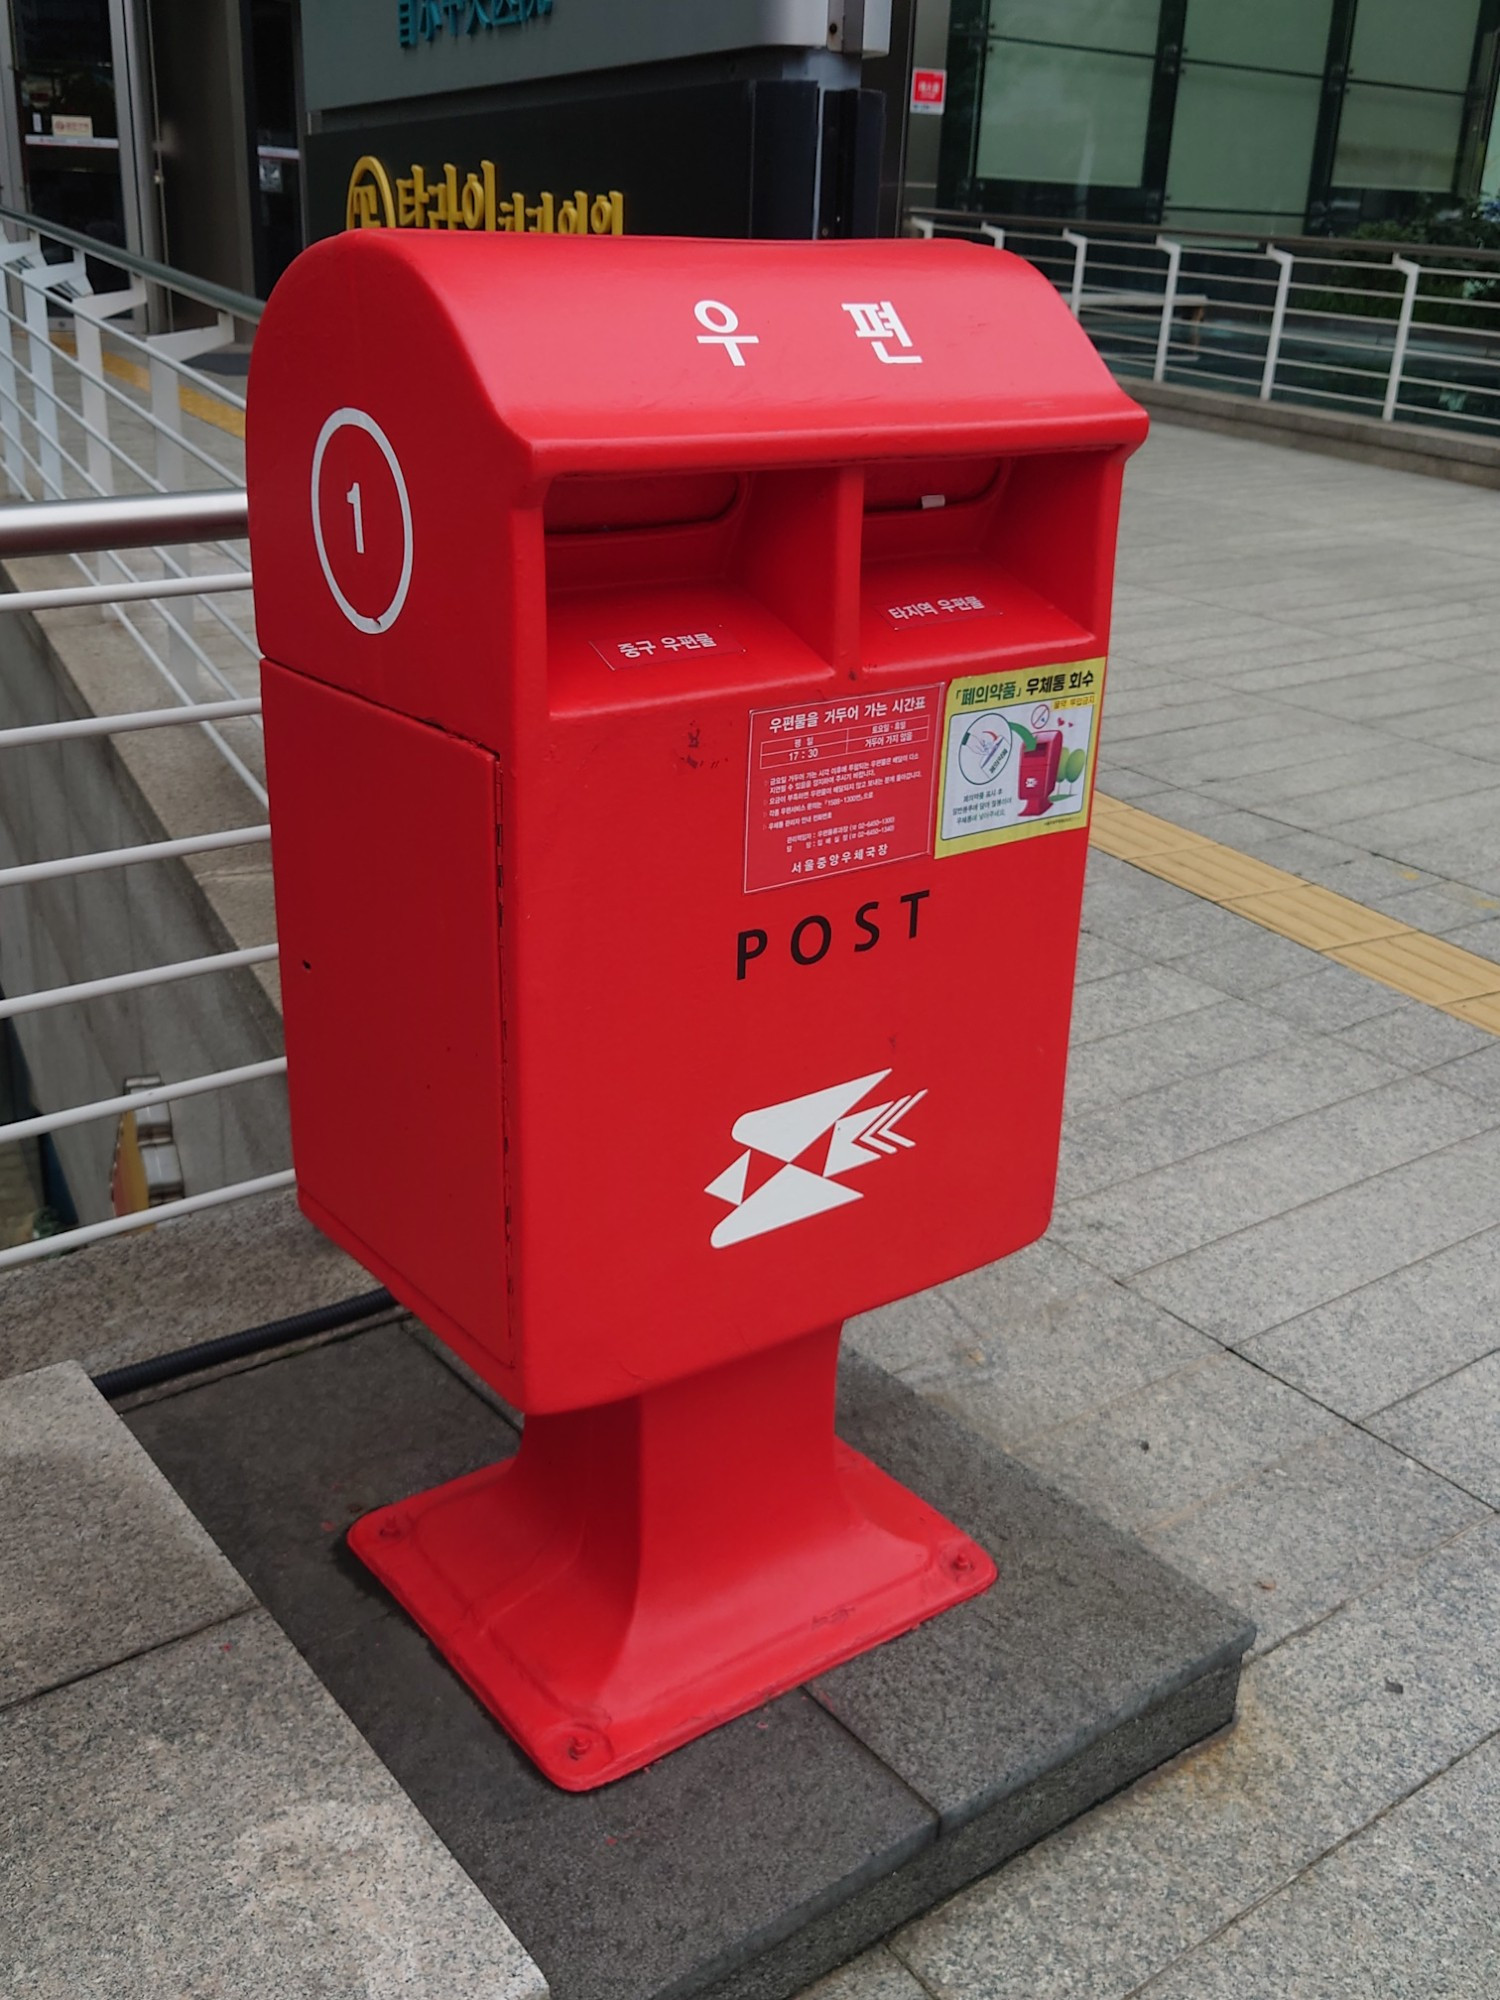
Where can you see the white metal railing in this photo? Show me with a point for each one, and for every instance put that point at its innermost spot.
(80, 524)
(96, 399)
(137, 1100)
(118, 1225)
(129, 462)
(134, 982)
(1393, 331)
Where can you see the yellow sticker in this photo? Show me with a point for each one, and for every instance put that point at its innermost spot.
(1018, 754)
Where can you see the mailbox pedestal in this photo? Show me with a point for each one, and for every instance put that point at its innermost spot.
(683, 668)
(650, 1567)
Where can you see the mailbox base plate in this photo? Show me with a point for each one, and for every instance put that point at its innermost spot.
(639, 1573)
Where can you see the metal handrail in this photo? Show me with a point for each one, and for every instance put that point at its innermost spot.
(201, 290)
(1147, 232)
(139, 1100)
(146, 1218)
(130, 521)
(1394, 330)
(77, 416)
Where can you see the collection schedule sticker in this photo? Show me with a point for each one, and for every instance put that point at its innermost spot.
(1018, 754)
(836, 786)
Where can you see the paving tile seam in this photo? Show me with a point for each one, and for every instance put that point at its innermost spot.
(1132, 1279)
(934, 1812)
(1142, 1531)
(1238, 1349)
(1210, 1069)
(1399, 1569)
(1166, 1521)
(1262, 1367)
(248, 1610)
(1422, 1388)
(1124, 1182)
(1362, 1425)
(1414, 963)
(1432, 1471)
(1143, 1989)
(245, 1364)
(892, 1944)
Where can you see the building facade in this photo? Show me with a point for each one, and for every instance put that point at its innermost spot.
(744, 118)
(220, 135)
(165, 127)
(1265, 116)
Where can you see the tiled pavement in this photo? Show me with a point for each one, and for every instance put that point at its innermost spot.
(1264, 1330)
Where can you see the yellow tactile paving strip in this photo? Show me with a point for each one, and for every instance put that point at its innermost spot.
(208, 409)
(1422, 967)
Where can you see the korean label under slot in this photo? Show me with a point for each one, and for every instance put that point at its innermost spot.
(941, 610)
(646, 647)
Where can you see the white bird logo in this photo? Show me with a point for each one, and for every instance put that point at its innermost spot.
(805, 1180)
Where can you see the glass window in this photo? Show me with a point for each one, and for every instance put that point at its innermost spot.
(1268, 34)
(1129, 25)
(1242, 139)
(67, 33)
(1235, 222)
(1063, 114)
(1403, 139)
(1423, 42)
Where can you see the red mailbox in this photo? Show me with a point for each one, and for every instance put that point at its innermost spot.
(682, 677)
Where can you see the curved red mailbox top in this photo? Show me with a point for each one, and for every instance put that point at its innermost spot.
(450, 379)
(683, 669)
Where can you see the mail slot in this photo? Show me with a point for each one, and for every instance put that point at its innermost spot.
(683, 667)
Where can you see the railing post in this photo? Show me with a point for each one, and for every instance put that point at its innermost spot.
(166, 410)
(1413, 275)
(994, 232)
(1080, 252)
(36, 284)
(1285, 260)
(1168, 305)
(88, 317)
(14, 257)
(166, 405)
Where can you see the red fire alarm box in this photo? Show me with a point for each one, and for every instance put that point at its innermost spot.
(683, 665)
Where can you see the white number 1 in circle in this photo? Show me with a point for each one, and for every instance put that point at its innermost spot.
(352, 496)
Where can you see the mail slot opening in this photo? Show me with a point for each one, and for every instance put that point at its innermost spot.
(612, 504)
(722, 578)
(976, 559)
(913, 486)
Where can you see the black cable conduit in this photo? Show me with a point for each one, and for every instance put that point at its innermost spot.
(235, 1346)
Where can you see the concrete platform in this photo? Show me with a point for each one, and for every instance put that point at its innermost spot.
(751, 1861)
(183, 1810)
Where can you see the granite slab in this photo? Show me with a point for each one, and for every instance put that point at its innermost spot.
(201, 1820)
(98, 1559)
(752, 1861)
(156, 1290)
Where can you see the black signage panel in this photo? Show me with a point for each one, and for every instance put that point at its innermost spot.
(734, 158)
